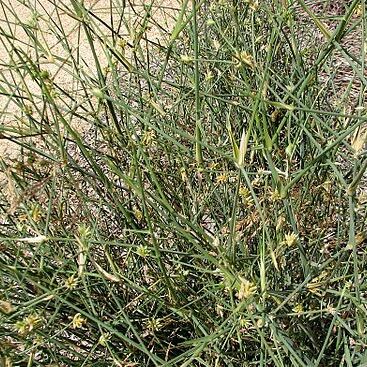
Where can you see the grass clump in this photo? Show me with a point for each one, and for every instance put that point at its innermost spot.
(196, 199)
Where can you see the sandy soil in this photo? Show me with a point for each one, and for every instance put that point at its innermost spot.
(49, 21)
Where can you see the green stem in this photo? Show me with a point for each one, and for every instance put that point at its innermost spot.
(198, 127)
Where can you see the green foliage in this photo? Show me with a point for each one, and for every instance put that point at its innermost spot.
(194, 201)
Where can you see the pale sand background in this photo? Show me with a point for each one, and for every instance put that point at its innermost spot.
(49, 21)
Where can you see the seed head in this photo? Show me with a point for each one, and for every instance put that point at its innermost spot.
(247, 289)
(78, 321)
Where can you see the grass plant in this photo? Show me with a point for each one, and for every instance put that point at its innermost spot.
(193, 200)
